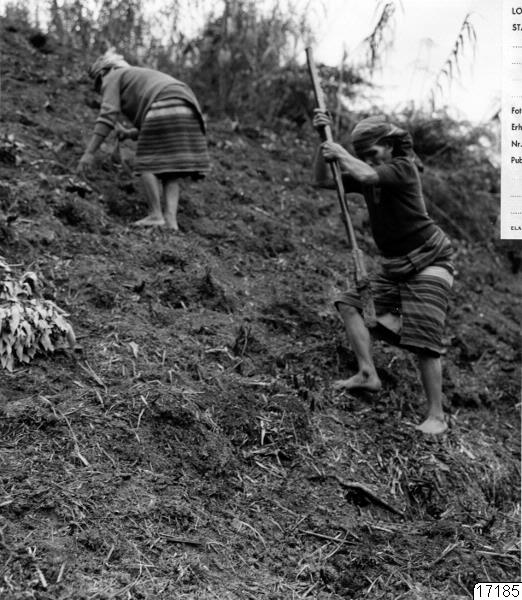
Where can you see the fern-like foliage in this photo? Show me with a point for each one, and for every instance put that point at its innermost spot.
(29, 324)
(381, 37)
(451, 67)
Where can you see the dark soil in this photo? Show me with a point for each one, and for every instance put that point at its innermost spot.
(192, 446)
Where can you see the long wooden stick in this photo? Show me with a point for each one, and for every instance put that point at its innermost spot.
(361, 275)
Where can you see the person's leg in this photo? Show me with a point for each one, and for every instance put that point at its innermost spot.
(171, 191)
(425, 302)
(431, 378)
(152, 187)
(359, 339)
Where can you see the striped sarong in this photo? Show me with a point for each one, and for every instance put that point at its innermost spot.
(172, 139)
(421, 302)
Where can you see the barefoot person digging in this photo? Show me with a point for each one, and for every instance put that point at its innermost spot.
(417, 273)
(168, 126)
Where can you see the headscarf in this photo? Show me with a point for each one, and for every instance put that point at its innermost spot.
(110, 60)
(372, 130)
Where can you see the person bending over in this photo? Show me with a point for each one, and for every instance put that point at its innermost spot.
(168, 125)
(416, 276)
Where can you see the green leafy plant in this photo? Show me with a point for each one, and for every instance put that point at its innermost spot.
(29, 324)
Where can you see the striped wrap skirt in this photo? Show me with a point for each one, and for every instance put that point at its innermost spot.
(172, 140)
(419, 303)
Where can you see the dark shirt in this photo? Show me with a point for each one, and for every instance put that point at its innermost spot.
(398, 216)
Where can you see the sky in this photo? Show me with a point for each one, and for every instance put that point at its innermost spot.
(425, 32)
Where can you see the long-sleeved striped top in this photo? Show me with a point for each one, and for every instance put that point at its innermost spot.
(131, 91)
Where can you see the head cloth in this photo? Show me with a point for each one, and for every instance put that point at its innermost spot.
(110, 60)
(371, 130)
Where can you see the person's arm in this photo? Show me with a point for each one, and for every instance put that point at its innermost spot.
(94, 143)
(110, 108)
(322, 176)
(350, 165)
(87, 159)
(126, 133)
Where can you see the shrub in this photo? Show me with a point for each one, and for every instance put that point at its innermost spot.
(28, 323)
(241, 54)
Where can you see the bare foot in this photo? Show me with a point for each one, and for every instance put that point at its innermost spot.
(171, 222)
(433, 425)
(359, 381)
(150, 221)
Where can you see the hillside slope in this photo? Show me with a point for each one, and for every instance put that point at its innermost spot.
(191, 446)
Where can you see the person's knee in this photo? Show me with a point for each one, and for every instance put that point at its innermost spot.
(427, 356)
(347, 310)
